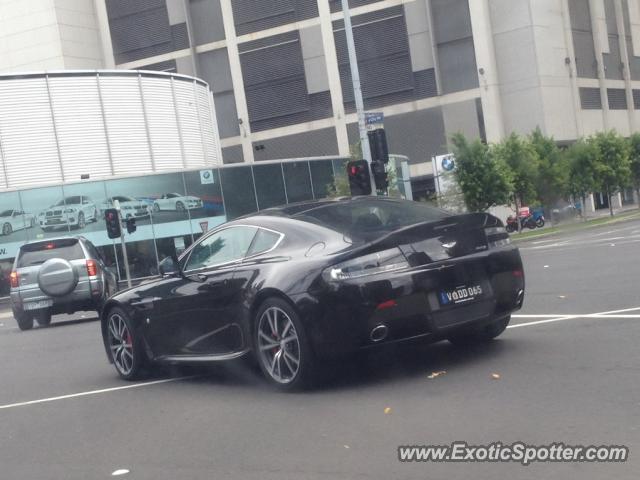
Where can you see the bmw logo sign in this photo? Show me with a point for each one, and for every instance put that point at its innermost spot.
(206, 175)
(448, 164)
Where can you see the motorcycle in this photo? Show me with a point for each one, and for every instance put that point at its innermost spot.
(525, 222)
(538, 217)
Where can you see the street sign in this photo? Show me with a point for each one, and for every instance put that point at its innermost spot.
(374, 120)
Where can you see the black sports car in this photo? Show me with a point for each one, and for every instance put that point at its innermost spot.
(322, 278)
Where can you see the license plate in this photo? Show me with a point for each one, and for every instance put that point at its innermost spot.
(38, 305)
(458, 295)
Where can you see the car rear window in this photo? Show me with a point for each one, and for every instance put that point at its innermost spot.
(371, 216)
(38, 253)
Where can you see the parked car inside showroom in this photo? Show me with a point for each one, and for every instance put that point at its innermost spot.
(129, 206)
(295, 284)
(176, 202)
(75, 211)
(59, 275)
(13, 220)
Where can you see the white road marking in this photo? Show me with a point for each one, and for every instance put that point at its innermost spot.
(547, 318)
(93, 392)
(612, 314)
(6, 314)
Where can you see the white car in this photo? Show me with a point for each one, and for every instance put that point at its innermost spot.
(176, 202)
(129, 206)
(12, 220)
(73, 211)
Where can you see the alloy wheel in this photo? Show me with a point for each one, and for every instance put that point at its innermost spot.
(278, 345)
(120, 344)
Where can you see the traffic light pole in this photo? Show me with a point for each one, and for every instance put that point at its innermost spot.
(116, 204)
(357, 89)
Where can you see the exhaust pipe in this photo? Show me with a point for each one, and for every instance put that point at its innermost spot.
(379, 333)
(520, 298)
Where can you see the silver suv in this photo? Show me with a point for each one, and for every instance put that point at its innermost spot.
(60, 275)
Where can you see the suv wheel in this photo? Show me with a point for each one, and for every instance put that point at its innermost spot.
(24, 319)
(43, 317)
(7, 229)
(180, 207)
(81, 221)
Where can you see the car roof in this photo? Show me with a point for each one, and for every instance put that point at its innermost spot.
(44, 240)
(292, 210)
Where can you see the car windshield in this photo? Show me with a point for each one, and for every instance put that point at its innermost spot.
(6, 213)
(123, 199)
(38, 253)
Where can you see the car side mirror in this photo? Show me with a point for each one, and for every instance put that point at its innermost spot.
(169, 266)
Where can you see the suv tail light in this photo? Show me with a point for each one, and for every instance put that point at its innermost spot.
(92, 268)
(15, 280)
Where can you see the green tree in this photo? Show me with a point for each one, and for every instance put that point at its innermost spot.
(581, 164)
(521, 158)
(613, 164)
(483, 179)
(634, 157)
(553, 172)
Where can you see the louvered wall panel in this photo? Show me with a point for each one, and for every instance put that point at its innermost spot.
(106, 124)
(163, 124)
(80, 127)
(207, 121)
(27, 133)
(126, 125)
(191, 137)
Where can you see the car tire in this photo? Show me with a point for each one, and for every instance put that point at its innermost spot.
(81, 221)
(95, 215)
(156, 207)
(287, 365)
(43, 317)
(32, 223)
(125, 348)
(24, 319)
(46, 229)
(7, 229)
(482, 335)
(180, 207)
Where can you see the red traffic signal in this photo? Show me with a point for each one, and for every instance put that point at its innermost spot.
(359, 178)
(113, 223)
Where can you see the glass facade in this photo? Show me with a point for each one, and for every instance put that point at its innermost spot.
(171, 209)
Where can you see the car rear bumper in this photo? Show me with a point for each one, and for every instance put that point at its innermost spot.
(86, 296)
(361, 314)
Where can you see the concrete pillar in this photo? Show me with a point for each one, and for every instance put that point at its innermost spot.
(486, 60)
(237, 79)
(333, 74)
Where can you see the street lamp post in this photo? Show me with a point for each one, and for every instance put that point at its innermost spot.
(357, 90)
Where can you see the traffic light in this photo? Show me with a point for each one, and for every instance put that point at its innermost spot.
(131, 225)
(359, 178)
(113, 223)
(378, 144)
(380, 175)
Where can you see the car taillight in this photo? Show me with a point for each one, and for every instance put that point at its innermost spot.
(92, 268)
(15, 279)
(373, 264)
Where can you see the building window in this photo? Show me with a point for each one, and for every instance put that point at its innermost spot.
(617, 98)
(590, 99)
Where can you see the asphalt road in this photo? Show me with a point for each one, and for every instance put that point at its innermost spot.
(566, 375)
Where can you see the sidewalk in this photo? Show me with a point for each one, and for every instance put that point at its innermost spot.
(631, 212)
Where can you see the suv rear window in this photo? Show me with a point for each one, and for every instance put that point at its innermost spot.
(38, 253)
